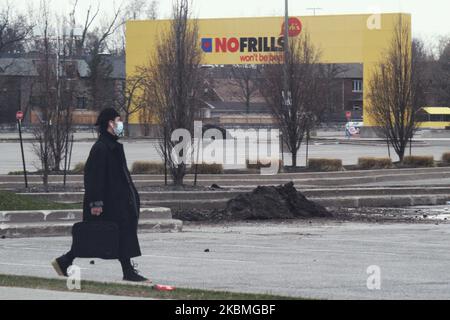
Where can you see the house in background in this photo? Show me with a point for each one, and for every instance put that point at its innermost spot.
(434, 117)
(225, 104)
(19, 87)
(222, 102)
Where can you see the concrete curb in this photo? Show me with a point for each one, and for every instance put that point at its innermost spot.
(220, 177)
(383, 201)
(77, 197)
(253, 182)
(46, 223)
(364, 142)
(7, 217)
(52, 229)
(350, 202)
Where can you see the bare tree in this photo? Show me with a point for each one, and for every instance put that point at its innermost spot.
(46, 80)
(134, 10)
(441, 74)
(141, 9)
(244, 80)
(174, 77)
(94, 41)
(66, 73)
(77, 46)
(55, 72)
(152, 10)
(14, 30)
(304, 79)
(147, 112)
(100, 66)
(131, 98)
(332, 90)
(397, 89)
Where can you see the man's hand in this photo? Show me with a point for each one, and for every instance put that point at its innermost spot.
(96, 211)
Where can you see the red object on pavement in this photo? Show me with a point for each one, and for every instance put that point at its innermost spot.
(19, 115)
(161, 287)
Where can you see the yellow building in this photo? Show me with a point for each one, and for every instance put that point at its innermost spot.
(358, 38)
(434, 117)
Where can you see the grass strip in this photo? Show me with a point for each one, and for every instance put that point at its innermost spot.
(10, 201)
(131, 290)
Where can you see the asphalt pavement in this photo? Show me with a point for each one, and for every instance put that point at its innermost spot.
(313, 259)
(146, 150)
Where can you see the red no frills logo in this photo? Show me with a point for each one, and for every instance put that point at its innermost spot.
(295, 27)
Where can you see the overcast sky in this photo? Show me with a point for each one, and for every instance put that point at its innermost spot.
(430, 17)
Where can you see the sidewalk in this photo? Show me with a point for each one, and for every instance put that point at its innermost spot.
(321, 136)
(9, 293)
(78, 136)
(28, 135)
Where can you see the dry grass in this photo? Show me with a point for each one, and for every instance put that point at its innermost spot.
(147, 167)
(418, 161)
(321, 164)
(374, 163)
(207, 168)
(79, 168)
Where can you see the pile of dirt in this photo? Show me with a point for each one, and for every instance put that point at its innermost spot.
(274, 202)
(263, 203)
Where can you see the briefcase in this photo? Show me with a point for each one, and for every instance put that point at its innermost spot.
(95, 239)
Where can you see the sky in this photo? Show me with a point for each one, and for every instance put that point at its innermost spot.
(430, 18)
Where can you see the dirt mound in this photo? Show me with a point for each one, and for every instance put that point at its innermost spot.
(273, 202)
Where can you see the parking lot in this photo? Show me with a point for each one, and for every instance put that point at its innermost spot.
(10, 156)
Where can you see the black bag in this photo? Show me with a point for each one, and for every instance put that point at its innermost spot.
(95, 239)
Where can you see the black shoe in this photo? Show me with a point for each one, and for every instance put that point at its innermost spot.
(132, 274)
(61, 265)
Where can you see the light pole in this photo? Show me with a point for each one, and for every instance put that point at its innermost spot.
(286, 53)
(285, 95)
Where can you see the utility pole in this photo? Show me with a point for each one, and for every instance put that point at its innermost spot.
(314, 10)
(286, 54)
(286, 93)
(19, 117)
(165, 153)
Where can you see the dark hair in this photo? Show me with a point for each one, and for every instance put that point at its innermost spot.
(104, 117)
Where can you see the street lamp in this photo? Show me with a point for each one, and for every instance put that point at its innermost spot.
(286, 54)
(285, 94)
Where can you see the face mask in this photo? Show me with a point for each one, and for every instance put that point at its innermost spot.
(118, 129)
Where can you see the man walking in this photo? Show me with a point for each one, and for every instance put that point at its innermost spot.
(110, 195)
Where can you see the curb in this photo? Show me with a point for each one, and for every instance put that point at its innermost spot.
(30, 230)
(77, 197)
(253, 182)
(243, 176)
(75, 215)
(349, 202)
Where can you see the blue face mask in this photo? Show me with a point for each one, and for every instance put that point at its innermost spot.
(118, 129)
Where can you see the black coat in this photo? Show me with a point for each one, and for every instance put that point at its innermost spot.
(107, 182)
